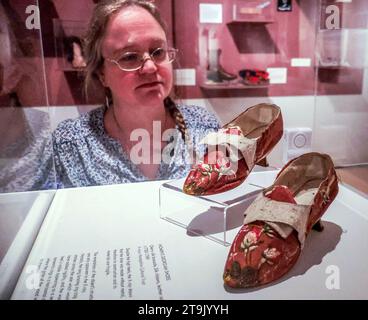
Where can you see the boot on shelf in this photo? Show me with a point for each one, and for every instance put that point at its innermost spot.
(219, 74)
(226, 76)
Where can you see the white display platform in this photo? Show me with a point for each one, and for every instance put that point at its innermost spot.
(109, 242)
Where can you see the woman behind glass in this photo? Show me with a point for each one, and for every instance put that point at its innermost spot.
(140, 134)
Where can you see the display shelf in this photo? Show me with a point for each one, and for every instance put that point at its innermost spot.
(323, 30)
(332, 66)
(232, 86)
(261, 21)
(252, 12)
(341, 65)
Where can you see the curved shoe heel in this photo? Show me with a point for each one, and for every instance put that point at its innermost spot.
(263, 162)
(318, 226)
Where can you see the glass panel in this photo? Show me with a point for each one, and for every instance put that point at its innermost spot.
(316, 64)
(341, 110)
(25, 149)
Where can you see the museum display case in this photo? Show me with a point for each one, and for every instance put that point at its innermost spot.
(310, 57)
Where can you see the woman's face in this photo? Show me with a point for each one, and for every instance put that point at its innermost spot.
(133, 29)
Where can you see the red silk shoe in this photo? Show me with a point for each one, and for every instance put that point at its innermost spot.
(278, 221)
(235, 149)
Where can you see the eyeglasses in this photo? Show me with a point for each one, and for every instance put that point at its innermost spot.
(132, 61)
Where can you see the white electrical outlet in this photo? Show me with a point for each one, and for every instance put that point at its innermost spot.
(296, 141)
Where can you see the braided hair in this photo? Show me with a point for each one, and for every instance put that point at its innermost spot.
(179, 120)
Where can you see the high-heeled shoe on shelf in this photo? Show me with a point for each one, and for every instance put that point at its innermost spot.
(278, 221)
(233, 151)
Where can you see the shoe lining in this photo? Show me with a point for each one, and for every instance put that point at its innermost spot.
(306, 197)
(304, 175)
(256, 132)
(255, 120)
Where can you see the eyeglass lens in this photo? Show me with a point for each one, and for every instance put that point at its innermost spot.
(134, 60)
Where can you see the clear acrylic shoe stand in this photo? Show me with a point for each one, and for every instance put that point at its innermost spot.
(216, 217)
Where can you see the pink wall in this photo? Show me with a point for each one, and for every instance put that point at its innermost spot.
(243, 45)
(250, 45)
(247, 45)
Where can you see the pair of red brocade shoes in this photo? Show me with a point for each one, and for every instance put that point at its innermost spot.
(278, 221)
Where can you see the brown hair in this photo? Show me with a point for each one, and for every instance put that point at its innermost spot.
(93, 41)
(96, 31)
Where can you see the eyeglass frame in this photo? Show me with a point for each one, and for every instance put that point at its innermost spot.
(143, 60)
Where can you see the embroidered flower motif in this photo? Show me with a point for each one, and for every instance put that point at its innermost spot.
(223, 167)
(222, 163)
(233, 130)
(269, 231)
(268, 255)
(271, 253)
(251, 240)
(204, 168)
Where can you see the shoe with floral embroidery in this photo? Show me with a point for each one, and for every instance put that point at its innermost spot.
(233, 151)
(278, 221)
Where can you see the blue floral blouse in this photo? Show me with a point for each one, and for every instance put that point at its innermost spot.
(85, 155)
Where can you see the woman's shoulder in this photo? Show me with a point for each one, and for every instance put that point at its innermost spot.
(73, 130)
(196, 116)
